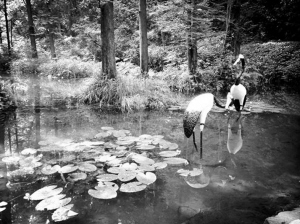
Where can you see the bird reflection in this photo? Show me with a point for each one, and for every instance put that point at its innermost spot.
(234, 139)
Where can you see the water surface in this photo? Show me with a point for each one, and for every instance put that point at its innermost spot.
(257, 180)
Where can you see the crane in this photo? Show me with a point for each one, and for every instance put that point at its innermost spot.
(197, 109)
(238, 93)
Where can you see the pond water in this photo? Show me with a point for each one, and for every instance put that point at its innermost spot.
(260, 178)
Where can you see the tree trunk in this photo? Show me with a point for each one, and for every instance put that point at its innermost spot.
(70, 18)
(7, 29)
(34, 53)
(11, 29)
(51, 42)
(108, 40)
(228, 35)
(191, 39)
(0, 35)
(143, 37)
(236, 14)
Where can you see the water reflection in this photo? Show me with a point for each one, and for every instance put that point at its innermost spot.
(234, 139)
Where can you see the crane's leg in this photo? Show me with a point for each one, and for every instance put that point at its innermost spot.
(194, 141)
(200, 144)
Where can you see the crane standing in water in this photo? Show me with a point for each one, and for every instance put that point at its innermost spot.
(199, 107)
(238, 93)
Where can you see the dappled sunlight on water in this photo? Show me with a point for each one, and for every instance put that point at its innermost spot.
(248, 167)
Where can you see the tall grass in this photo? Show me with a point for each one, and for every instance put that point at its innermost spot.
(130, 93)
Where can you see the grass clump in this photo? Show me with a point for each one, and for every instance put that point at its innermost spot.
(130, 92)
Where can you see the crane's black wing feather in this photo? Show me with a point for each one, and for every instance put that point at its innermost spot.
(189, 122)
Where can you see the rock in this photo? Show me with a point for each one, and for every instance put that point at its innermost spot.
(286, 217)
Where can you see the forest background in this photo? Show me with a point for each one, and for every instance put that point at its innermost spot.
(135, 55)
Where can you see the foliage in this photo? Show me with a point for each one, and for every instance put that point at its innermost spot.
(129, 92)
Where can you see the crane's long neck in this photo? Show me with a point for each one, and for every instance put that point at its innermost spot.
(238, 79)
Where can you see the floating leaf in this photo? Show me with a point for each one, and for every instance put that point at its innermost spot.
(145, 168)
(200, 181)
(11, 159)
(31, 161)
(123, 143)
(103, 193)
(63, 213)
(160, 165)
(53, 202)
(21, 172)
(105, 158)
(48, 170)
(107, 177)
(194, 172)
(132, 187)
(118, 134)
(173, 146)
(28, 151)
(77, 176)
(176, 161)
(114, 170)
(146, 147)
(142, 159)
(145, 136)
(169, 153)
(87, 167)
(46, 192)
(68, 168)
(114, 162)
(126, 175)
(102, 135)
(147, 178)
(107, 184)
(129, 166)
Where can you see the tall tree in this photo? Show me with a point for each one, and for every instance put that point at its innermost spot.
(143, 37)
(0, 35)
(7, 28)
(191, 38)
(34, 53)
(108, 40)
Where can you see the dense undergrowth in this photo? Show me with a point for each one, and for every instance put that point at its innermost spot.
(270, 67)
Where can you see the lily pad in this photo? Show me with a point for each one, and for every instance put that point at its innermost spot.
(63, 213)
(175, 161)
(132, 187)
(53, 202)
(126, 175)
(28, 151)
(146, 167)
(103, 193)
(169, 153)
(123, 143)
(102, 135)
(77, 176)
(146, 147)
(198, 181)
(49, 170)
(46, 192)
(114, 170)
(160, 165)
(107, 177)
(107, 184)
(105, 158)
(68, 168)
(147, 178)
(142, 159)
(87, 167)
(11, 159)
(145, 136)
(194, 172)
(129, 166)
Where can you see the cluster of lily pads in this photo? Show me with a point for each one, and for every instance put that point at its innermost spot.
(118, 160)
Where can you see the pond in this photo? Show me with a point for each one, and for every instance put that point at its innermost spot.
(250, 168)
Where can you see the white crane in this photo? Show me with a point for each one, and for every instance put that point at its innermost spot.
(238, 93)
(197, 109)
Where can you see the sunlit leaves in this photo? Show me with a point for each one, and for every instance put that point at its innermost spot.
(175, 161)
(194, 172)
(77, 176)
(132, 187)
(87, 167)
(103, 193)
(63, 213)
(46, 192)
(53, 202)
(48, 170)
(68, 168)
(147, 178)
